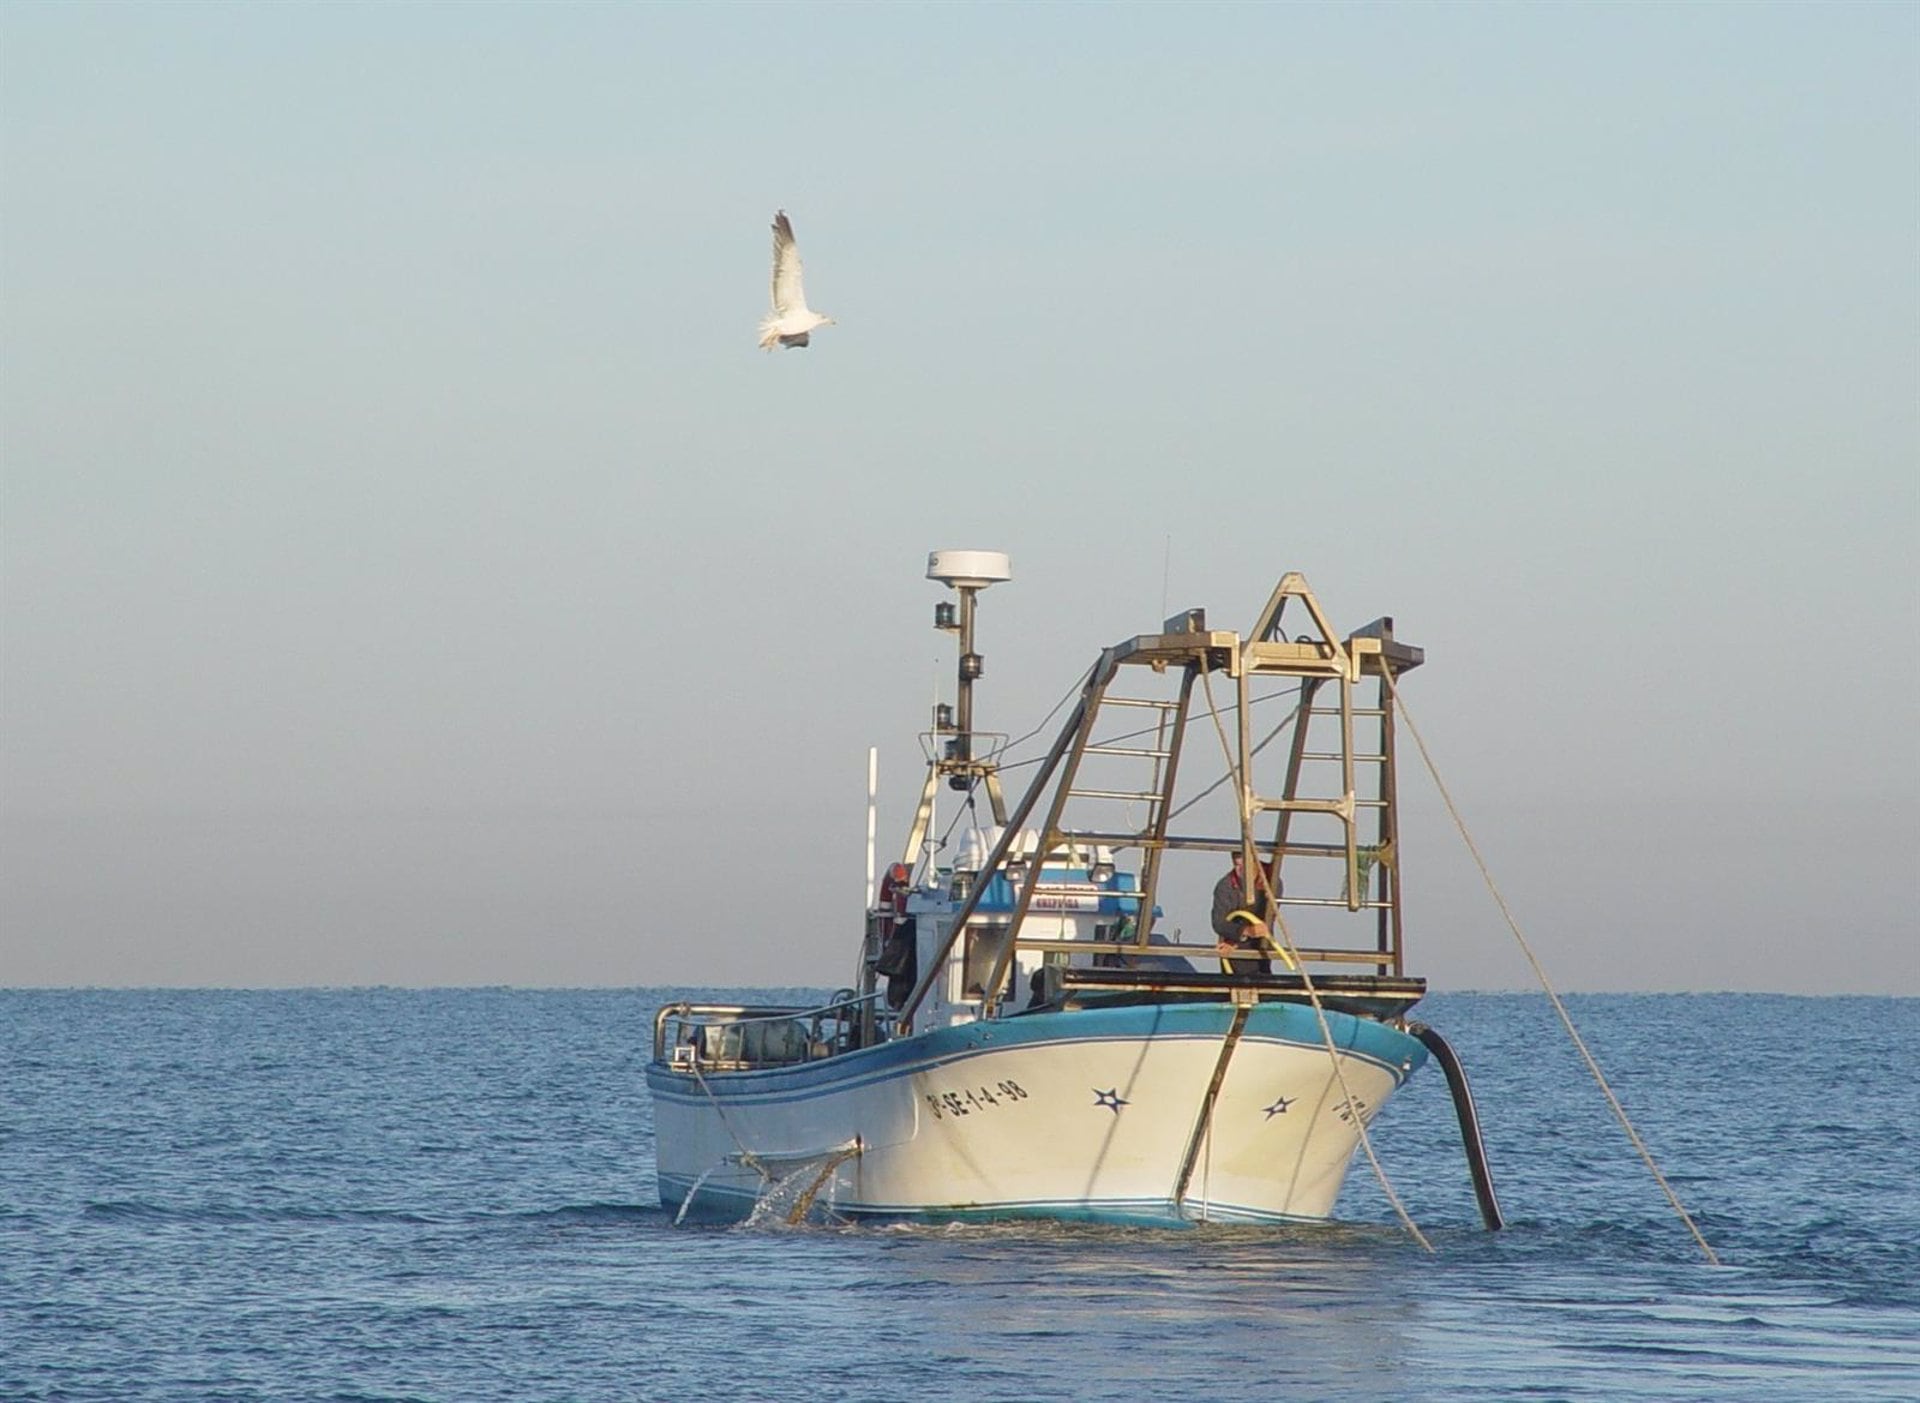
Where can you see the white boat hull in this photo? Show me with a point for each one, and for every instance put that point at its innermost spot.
(1097, 1114)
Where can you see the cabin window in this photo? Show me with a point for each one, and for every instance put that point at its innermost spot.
(983, 948)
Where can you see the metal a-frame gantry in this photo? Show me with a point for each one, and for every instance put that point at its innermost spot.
(1355, 670)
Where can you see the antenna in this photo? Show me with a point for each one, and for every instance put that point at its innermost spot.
(1166, 574)
(966, 572)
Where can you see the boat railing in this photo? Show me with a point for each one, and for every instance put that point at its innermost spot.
(752, 1037)
(983, 748)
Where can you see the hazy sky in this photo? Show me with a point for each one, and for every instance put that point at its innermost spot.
(414, 575)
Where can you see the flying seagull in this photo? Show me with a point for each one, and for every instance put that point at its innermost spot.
(791, 319)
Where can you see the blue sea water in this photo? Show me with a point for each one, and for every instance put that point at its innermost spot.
(449, 1195)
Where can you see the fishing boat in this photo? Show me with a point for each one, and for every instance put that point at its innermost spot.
(1029, 1034)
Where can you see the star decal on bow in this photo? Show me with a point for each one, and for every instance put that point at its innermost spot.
(1279, 1106)
(1112, 1100)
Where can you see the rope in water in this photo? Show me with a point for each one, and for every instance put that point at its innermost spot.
(1292, 953)
(1540, 973)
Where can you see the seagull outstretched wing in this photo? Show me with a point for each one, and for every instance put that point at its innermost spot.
(789, 296)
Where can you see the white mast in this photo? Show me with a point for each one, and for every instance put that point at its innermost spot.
(873, 791)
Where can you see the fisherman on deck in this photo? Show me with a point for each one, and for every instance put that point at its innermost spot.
(1237, 927)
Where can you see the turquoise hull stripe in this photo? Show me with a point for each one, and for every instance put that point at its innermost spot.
(728, 1086)
(1291, 1024)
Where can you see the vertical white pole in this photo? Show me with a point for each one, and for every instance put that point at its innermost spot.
(873, 791)
(933, 795)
